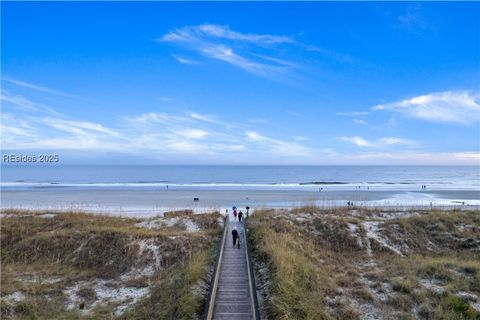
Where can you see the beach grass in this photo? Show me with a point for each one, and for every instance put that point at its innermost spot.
(356, 263)
(76, 265)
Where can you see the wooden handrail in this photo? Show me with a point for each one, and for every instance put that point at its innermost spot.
(216, 273)
(251, 278)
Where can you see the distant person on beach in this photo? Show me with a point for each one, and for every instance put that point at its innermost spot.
(248, 208)
(234, 214)
(234, 235)
(240, 216)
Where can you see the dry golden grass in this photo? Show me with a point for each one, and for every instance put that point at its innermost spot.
(41, 256)
(316, 267)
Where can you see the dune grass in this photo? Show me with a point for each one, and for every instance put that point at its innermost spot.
(177, 293)
(319, 266)
(44, 253)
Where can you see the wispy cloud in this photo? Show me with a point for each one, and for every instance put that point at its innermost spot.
(25, 104)
(185, 60)
(194, 33)
(382, 142)
(447, 107)
(164, 99)
(203, 117)
(222, 43)
(395, 140)
(285, 148)
(359, 141)
(78, 127)
(193, 133)
(226, 54)
(299, 138)
(359, 121)
(35, 87)
(253, 52)
(48, 133)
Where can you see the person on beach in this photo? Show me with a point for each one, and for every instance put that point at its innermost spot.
(240, 216)
(234, 214)
(234, 235)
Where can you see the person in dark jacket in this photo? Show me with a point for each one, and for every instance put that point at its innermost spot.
(240, 216)
(234, 236)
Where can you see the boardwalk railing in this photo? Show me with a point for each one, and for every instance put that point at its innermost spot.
(251, 278)
(212, 294)
(217, 307)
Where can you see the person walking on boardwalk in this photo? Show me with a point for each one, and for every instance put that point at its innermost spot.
(234, 235)
(234, 209)
(240, 216)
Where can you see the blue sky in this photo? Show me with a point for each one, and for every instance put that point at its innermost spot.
(242, 83)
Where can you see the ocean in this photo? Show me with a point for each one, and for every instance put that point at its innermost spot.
(145, 188)
(464, 177)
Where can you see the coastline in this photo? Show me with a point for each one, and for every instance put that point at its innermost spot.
(153, 202)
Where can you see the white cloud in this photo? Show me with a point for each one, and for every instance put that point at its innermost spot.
(276, 146)
(35, 87)
(185, 60)
(359, 121)
(18, 101)
(235, 48)
(447, 107)
(155, 117)
(409, 157)
(203, 117)
(193, 133)
(25, 104)
(395, 140)
(382, 142)
(193, 33)
(359, 141)
(300, 138)
(185, 147)
(468, 156)
(225, 53)
(254, 136)
(78, 127)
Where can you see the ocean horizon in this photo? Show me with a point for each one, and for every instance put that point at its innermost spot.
(158, 188)
(230, 176)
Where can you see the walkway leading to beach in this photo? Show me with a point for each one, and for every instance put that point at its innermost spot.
(233, 298)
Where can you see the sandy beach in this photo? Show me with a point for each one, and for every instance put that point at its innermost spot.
(150, 202)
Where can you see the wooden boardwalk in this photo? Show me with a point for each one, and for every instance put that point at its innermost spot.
(232, 298)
